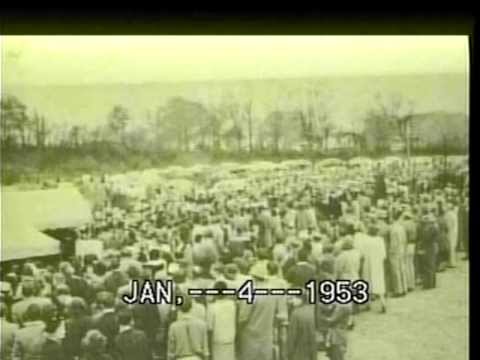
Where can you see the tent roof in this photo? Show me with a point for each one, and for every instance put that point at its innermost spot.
(20, 242)
(45, 209)
(26, 213)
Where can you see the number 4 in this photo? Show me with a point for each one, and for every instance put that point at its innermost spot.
(245, 292)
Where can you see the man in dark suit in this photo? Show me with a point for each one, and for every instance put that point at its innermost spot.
(336, 320)
(302, 272)
(115, 278)
(106, 320)
(78, 286)
(463, 225)
(147, 319)
(429, 236)
(76, 327)
(131, 343)
(301, 332)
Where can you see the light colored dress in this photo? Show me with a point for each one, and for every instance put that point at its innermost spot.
(452, 234)
(376, 254)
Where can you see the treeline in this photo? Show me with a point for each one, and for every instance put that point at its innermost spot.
(179, 125)
(185, 132)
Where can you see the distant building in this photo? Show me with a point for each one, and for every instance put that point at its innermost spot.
(397, 144)
(343, 140)
(432, 130)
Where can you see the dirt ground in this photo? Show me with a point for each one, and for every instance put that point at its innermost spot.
(424, 325)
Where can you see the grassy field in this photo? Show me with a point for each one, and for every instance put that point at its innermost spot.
(424, 325)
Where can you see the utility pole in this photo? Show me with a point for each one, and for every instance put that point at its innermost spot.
(408, 133)
(250, 126)
(444, 160)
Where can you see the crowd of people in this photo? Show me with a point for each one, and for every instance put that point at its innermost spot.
(375, 223)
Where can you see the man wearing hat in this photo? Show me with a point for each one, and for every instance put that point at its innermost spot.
(256, 321)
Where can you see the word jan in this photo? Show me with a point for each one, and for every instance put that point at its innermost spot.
(152, 292)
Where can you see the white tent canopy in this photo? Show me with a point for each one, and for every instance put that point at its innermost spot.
(26, 213)
(20, 242)
(47, 209)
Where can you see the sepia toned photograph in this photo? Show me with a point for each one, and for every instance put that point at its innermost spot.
(220, 197)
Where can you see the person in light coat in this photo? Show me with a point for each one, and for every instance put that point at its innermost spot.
(256, 321)
(397, 250)
(452, 233)
(376, 254)
(221, 320)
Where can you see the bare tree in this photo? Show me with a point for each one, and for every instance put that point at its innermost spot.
(248, 116)
(74, 135)
(276, 129)
(316, 125)
(395, 108)
(41, 131)
(117, 121)
(15, 122)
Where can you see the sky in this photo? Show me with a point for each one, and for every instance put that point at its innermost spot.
(78, 60)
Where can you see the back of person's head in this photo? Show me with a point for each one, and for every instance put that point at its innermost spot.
(397, 215)
(63, 289)
(77, 307)
(28, 269)
(220, 285)
(134, 272)
(66, 268)
(372, 229)
(303, 254)
(187, 304)
(90, 259)
(50, 316)
(105, 299)
(280, 239)
(125, 316)
(33, 313)
(307, 245)
(94, 342)
(440, 210)
(328, 248)
(115, 262)
(100, 268)
(28, 289)
(263, 254)
(155, 254)
(272, 268)
(349, 229)
(198, 238)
